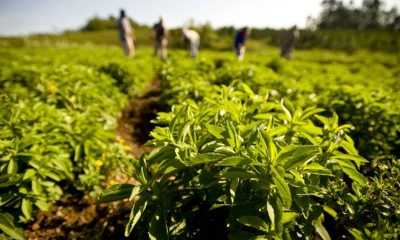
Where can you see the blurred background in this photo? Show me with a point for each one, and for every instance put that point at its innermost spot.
(329, 24)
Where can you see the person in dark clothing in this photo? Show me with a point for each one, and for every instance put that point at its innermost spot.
(160, 39)
(288, 39)
(240, 41)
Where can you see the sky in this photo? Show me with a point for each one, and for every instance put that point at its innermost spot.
(22, 17)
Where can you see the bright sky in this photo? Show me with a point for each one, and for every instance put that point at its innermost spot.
(39, 16)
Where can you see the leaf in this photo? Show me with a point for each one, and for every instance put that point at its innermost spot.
(36, 187)
(26, 207)
(323, 120)
(286, 152)
(233, 161)
(330, 211)
(232, 108)
(283, 189)
(135, 191)
(214, 130)
(63, 165)
(297, 156)
(115, 193)
(183, 131)
(297, 176)
(357, 234)
(10, 180)
(310, 129)
(232, 189)
(43, 205)
(225, 150)
(12, 167)
(349, 147)
(238, 174)
(206, 158)
(136, 212)
(288, 109)
(233, 139)
(312, 140)
(355, 158)
(77, 152)
(158, 228)
(177, 228)
(51, 174)
(160, 154)
(267, 141)
(262, 116)
(6, 198)
(168, 166)
(354, 175)
(317, 169)
(310, 111)
(29, 174)
(10, 226)
(288, 217)
(321, 229)
(275, 213)
(278, 131)
(254, 222)
(247, 89)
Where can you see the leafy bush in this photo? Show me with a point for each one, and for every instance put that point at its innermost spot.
(57, 123)
(253, 167)
(374, 116)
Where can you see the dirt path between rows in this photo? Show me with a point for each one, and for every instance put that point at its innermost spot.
(135, 125)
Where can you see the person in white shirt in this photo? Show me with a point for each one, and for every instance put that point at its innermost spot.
(192, 40)
(126, 34)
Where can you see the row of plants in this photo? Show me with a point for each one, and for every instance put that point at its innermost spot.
(233, 154)
(253, 168)
(362, 92)
(58, 114)
(266, 148)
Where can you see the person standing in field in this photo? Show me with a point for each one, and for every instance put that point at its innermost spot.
(192, 40)
(287, 39)
(160, 39)
(240, 41)
(126, 34)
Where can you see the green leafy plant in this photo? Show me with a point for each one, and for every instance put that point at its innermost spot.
(57, 124)
(257, 168)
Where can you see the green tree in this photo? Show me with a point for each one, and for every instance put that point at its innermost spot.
(372, 14)
(97, 24)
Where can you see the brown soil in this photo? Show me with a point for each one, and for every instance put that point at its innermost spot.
(135, 125)
(76, 216)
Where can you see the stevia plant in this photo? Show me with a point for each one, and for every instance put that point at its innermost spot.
(254, 168)
(57, 125)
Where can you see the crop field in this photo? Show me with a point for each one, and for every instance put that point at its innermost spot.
(97, 146)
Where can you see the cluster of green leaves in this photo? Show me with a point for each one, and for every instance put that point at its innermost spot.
(375, 118)
(213, 160)
(267, 164)
(373, 211)
(230, 150)
(57, 127)
(362, 90)
(130, 77)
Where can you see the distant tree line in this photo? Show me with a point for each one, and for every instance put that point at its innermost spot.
(370, 15)
(97, 24)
